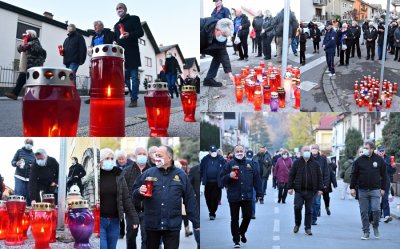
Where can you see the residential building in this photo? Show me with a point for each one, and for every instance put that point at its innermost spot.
(342, 9)
(313, 10)
(323, 134)
(191, 68)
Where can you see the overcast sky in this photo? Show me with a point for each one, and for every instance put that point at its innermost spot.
(172, 21)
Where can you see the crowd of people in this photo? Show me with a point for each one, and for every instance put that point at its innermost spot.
(308, 174)
(235, 24)
(125, 203)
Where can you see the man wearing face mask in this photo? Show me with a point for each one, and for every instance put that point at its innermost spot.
(210, 167)
(306, 180)
(171, 70)
(240, 192)
(151, 159)
(267, 34)
(265, 162)
(44, 176)
(369, 172)
(370, 34)
(22, 161)
(75, 175)
(323, 164)
(213, 36)
(131, 173)
(129, 41)
(258, 26)
(163, 210)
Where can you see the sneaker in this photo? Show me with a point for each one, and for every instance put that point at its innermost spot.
(11, 96)
(212, 217)
(365, 236)
(330, 74)
(388, 219)
(308, 232)
(314, 223)
(133, 103)
(243, 238)
(296, 229)
(328, 211)
(376, 233)
(211, 83)
(236, 245)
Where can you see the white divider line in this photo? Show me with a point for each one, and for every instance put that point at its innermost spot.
(276, 238)
(276, 226)
(276, 247)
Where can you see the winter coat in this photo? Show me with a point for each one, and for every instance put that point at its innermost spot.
(369, 173)
(391, 33)
(36, 55)
(268, 26)
(211, 165)
(348, 41)
(163, 211)
(278, 24)
(209, 45)
(194, 177)
(365, 26)
(346, 171)
(325, 169)
(172, 65)
(242, 188)
(106, 35)
(222, 13)
(265, 164)
(258, 23)
(245, 23)
(381, 34)
(75, 174)
(296, 173)
(303, 39)
(373, 34)
(356, 31)
(131, 173)
(133, 26)
(282, 168)
(41, 177)
(29, 158)
(397, 37)
(74, 49)
(315, 33)
(330, 42)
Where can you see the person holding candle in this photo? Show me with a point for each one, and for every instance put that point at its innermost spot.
(329, 45)
(131, 32)
(44, 176)
(75, 174)
(306, 181)
(163, 207)
(267, 33)
(22, 161)
(115, 200)
(391, 170)
(397, 42)
(240, 184)
(371, 34)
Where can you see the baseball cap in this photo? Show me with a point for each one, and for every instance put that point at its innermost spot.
(381, 148)
(213, 148)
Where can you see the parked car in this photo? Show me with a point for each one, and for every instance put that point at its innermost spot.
(321, 28)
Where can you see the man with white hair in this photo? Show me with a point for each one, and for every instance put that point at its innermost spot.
(151, 157)
(371, 34)
(267, 33)
(356, 30)
(213, 36)
(35, 57)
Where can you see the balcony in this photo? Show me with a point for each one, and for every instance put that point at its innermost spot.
(320, 2)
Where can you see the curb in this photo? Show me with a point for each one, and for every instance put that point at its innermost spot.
(329, 90)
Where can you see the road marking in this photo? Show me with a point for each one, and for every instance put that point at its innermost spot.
(276, 210)
(276, 226)
(276, 238)
(312, 64)
(276, 247)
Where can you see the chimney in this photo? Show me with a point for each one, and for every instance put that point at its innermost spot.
(48, 15)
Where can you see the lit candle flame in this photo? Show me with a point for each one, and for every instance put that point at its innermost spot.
(42, 230)
(109, 91)
(189, 101)
(158, 111)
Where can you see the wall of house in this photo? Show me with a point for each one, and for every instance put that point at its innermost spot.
(148, 51)
(8, 29)
(191, 72)
(161, 59)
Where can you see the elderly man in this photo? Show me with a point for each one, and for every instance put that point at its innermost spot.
(131, 173)
(267, 34)
(213, 36)
(306, 180)
(151, 158)
(74, 50)
(240, 191)
(129, 41)
(220, 11)
(257, 24)
(242, 29)
(370, 35)
(391, 170)
(356, 30)
(265, 163)
(163, 210)
(43, 176)
(369, 173)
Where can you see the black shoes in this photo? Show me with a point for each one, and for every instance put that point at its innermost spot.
(87, 101)
(236, 245)
(253, 217)
(261, 201)
(296, 229)
(11, 96)
(314, 223)
(243, 238)
(133, 103)
(328, 211)
(308, 232)
(211, 83)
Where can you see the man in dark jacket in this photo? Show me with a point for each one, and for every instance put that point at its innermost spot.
(371, 34)
(391, 170)
(369, 173)
(364, 28)
(163, 210)
(210, 168)
(74, 49)
(254, 161)
(257, 24)
(356, 30)
(392, 28)
(220, 11)
(75, 175)
(303, 41)
(171, 72)
(213, 36)
(43, 176)
(242, 29)
(240, 192)
(306, 180)
(381, 35)
(346, 39)
(132, 31)
(265, 163)
(267, 34)
(194, 177)
(23, 161)
(329, 45)
(131, 173)
(278, 24)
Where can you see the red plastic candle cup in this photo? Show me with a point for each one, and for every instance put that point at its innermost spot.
(237, 79)
(243, 73)
(360, 102)
(355, 94)
(107, 99)
(24, 39)
(370, 106)
(97, 219)
(281, 97)
(149, 182)
(267, 95)
(26, 222)
(251, 91)
(158, 107)
(395, 87)
(297, 98)
(51, 105)
(189, 100)
(235, 169)
(392, 161)
(257, 100)
(388, 103)
(239, 94)
(61, 50)
(272, 82)
(3, 220)
(42, 222)
(15, 208)
(296, 72)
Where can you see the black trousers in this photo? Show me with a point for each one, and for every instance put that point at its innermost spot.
(122, 227)
(259, 43)
(212, 193)
(267, 46)
(131, 234)
(20, 83)
(243, 47)
(397, 53)
(302, 56)
(344, 53)
(326, 198)
(237, 230)
(316, 45)
(354, 46)
(170, 239)
(371, 49)
(303, 198)
(282, 191)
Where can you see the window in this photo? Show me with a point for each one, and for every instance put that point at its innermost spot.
(149, 78)
(148, 61)
(22, 27)
(161, 62)
(142, 41)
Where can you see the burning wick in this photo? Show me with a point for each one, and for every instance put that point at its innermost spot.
(109, 91)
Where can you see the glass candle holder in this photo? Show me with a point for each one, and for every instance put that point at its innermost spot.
(42, 222)
(26, 222)
(297, 98)
(274, 102)
(81, 223)
(251, 91)
(388, 103)
(237, 79)
(236, 170)
(189, 100)
(239, 94)
(257, 100)
(272, 82)
(158, 107)
(149, 182)
(267, 95)
(15, 208)
(281, 97)
(3, 220)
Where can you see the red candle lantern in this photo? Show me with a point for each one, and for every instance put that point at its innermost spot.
(257, 100)
(395, 87)
(51, 105)
(26, 222)
(247, 70)
(243, 73)
(107, 99)
(355, 94)
(3, 220)
(297, 98)
(296, 72)
(121, 30)
(149, 182)
(42, 222)
(15, 208)
(370, 106)
(49, 198)
(360, 102)
(281, 97)
(235, 169)
(388, 103)
(61, 50)
(267, 95)
(272, 82)
(158, 107)
(189, 100)
(237, 80)
(356, 85)
(97, 218)
(251, 91)
(239, 94)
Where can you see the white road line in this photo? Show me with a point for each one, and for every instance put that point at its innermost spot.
(276, 210)
(276, 247)
(276, 226)
(276, 238)
(312, 64)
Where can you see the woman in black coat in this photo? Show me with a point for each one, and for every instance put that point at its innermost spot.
(315, 34)
(75, 175)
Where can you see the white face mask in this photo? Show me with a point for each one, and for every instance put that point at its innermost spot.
(213, 154)
(159, 162)
(314, 151)
(120, 13)
(239, 155)
(169, 56)
(285, 156)
(28, 146)
(41, 162)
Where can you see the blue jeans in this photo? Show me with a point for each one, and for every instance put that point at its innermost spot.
(264, 185)
(22, 188)
(330, 60)
(171, 79)
(74, 67)
(316, 207)
(380, 51)
(294, 45)
(109, 233)
(253, 204)
(385, 204)
(134, 87)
